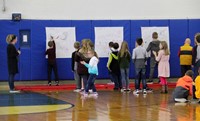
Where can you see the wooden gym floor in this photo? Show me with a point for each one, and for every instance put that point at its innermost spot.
(109, 106)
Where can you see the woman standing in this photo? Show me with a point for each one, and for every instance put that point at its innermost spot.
(12, 55)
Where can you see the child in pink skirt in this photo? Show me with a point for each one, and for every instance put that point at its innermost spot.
(163, 66)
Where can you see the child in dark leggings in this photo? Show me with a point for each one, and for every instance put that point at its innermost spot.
(93, 72)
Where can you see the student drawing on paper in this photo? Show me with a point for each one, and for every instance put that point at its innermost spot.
(59, 38)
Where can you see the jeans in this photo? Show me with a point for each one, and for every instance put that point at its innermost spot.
(11, 81)
(117, 80)
(77, 79)
(52, 66)
(140, 72)
(90, 83)
(125, 77)
(85, 79)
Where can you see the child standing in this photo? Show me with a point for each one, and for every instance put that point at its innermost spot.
(139, 58)
(153, 46)
(196, 58)
(113, 67)
(183, 87)
(74, 67)
(196, 54)
(93, 72)
(110, 44)
(81, 55)
(163, 65)
(124, 63)
(51, 53)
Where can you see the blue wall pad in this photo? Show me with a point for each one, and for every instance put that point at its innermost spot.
(33, 64)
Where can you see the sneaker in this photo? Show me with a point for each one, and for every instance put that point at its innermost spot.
(181, 100)
(94, 94)
(127, 90)
(136, 92)
(149, 89)
(144, 92)
(122, 90)
(57, 83)
(49, 84)
(14, 91)
(90, 90)
(77, 90)
(149, 82)
(111, 83)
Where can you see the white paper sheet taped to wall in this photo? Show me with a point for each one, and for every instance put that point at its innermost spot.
(64, 38)
(103, 35)
(163, 34)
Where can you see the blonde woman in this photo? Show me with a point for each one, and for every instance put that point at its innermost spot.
(163, 65)
(12, 55)
(124, 57)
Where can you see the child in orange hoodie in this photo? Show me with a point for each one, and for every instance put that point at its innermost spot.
(184, 87)
(197, 86)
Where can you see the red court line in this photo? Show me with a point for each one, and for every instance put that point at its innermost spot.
(73, 86)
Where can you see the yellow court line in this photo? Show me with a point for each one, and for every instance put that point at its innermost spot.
(32, 109)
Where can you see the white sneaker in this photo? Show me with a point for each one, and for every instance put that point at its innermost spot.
(90, 90)
(136, 92)
(144, 91)
(14, 91)
(111, 83)
(77, 90)
(122, 90)
(181, 100)
(94, 94)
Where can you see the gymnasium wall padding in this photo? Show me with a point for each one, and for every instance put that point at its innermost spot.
(33, 64)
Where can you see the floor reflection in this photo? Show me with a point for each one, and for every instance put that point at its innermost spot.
(109, 106)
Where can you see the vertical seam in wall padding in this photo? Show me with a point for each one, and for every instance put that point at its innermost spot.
(188, 28)
(31, 51)
(20, 70)
(169, 23)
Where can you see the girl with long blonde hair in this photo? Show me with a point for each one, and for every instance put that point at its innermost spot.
(163, 65)
(124, 63)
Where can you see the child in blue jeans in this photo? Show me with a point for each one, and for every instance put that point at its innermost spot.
(93, 72)
(139, 58)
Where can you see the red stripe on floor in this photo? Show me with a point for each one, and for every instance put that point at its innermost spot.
(73, 86)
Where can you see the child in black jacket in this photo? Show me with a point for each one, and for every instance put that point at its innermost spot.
(51, 53)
